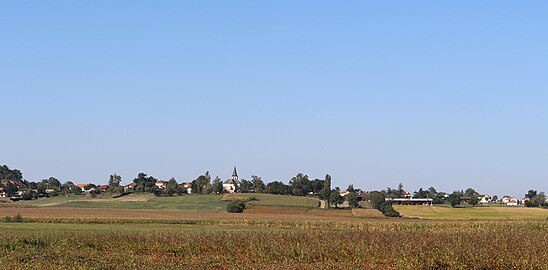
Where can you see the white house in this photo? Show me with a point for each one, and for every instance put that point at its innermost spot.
(484, 199)
(513, 202)
(232, 185)
(160, 184)
(188, 187)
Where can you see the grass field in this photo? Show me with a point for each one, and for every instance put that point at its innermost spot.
(479, 213)
(194, 203)
(274, 200)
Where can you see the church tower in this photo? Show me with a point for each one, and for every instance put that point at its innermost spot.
(235, 175)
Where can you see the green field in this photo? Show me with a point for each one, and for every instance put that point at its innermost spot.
(188, 203)
(191, 203)
(274, 200)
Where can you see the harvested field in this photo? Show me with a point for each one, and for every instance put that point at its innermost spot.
(376, 245)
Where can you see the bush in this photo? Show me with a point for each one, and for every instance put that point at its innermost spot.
(235, 207)
(16, 218)
(376, 199)
(387, 210)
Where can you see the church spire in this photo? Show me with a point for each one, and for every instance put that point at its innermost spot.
(235, 175)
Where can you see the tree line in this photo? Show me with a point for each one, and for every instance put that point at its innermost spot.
(299, 185)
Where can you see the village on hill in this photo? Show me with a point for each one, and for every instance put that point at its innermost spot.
(14, 187)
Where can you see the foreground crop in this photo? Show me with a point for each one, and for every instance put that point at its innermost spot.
(370, 245)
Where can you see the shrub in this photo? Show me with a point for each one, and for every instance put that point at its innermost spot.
(235, 207)
(387, 210)
(16, 218)
(376, 199)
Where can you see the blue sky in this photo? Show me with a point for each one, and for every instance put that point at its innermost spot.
(427, 93)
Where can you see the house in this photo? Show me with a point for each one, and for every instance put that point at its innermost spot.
(130, 187)
(187, 186)
(483, 199)
(82, 186)
(103, 188)
(513, 202)
(2, 193)
(232, 185)
(362, 196)
(506, 199)
(344, 193)
(160, 184)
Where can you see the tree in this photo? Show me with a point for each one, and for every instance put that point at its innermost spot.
(394, 193)
(202, 184)
(420, 193)
(326, 190)
(299, 184)
(352, 199)
(473, 201)
(246, 186)
(171, 186)
(114, 180)
(454, 198)
(315, 186)
(144, 182)
(53, 183)
(535, 199)
(531, 194)
(376, 199)
(41, 188)
(387, 209)
(277, 187)
(470, 192)
(10, 174)
(257, 184)
(495, 198)
(217, 185)
(10, 189)
(335, 197)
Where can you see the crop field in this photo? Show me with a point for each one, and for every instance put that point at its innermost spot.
(140, 231)
(366, 244)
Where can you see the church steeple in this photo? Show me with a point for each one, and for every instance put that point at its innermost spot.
(234, 174)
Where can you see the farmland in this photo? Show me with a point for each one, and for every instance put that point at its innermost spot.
(272, 245)
(475, 213)
(140, 231)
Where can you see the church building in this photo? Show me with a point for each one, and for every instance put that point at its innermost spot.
(232, 185)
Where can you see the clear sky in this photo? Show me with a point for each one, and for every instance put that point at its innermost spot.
(450, 94)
